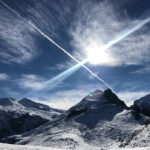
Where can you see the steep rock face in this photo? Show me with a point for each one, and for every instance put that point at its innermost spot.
(99, 120)
(142, 105)
(114, 99)
(17, 119)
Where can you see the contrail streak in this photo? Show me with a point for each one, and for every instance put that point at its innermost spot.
(53, 82)
(132, 28)
(61, 48)
(62, 76)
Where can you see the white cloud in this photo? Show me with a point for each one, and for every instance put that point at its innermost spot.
(31, 81)
(66, 98)
(63, 99)
(143, 70)
(4, 76)
(10, 92)
(62, 66)
(52, 16)
(97, 24)
(129, 96)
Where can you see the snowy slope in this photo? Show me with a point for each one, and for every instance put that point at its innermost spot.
(99, 120)
(17, 119)
(21, 147)
(25, 147)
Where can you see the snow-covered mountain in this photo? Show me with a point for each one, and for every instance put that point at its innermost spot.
(44, 110)
(16, 118)
(142, 105)
(100, 120)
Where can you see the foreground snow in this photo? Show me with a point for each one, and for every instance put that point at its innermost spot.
(25, 147)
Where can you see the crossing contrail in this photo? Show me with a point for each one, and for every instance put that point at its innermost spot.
(132, 28)
(57, 45)
(71, 56)
(54, 81)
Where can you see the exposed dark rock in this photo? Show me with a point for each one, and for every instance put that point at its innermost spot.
(142, 105)
(113, 98)
(74, 113)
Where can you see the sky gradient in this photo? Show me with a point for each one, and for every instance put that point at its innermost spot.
(33, 67)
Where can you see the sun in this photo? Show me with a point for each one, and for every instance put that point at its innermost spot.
(98, 55)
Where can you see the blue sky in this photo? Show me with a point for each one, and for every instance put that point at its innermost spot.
(29, 62)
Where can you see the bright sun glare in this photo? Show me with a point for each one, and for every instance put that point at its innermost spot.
(98, 55)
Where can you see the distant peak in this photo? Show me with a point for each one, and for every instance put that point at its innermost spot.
(32, 104)
(6, 101)
(26, 100)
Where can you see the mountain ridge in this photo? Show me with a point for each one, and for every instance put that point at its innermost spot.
(95, 120)
(99, 120)
(17, 119)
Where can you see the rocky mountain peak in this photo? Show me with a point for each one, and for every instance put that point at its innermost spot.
(113, 98)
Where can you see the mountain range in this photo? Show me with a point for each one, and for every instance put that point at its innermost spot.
(99, 121)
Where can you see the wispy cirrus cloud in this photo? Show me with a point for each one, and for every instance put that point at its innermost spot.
(99, 23)
(145, 69)
(36, 83)
(17, 38)
(53, 16)
(4, 76)
(30, 81)
(62, 66)
(95, 24)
